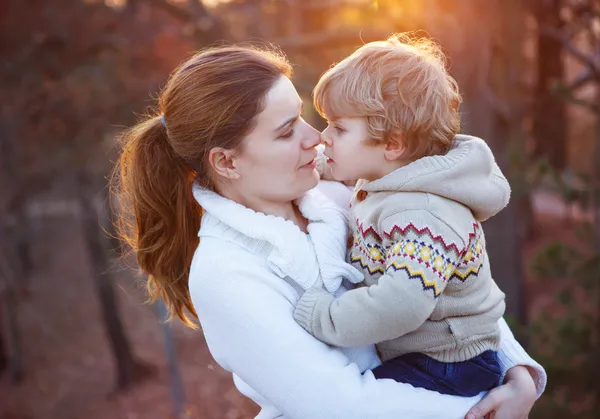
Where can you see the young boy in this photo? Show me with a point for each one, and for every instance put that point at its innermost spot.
(429, 302)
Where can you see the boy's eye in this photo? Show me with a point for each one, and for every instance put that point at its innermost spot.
(339, 129)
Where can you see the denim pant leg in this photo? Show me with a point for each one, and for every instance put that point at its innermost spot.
(415, 369)
(478, 374)
(466, 379)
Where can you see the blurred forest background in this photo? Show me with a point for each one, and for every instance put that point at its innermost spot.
(77, 340)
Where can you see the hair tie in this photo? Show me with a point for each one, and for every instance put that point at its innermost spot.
(162, 121)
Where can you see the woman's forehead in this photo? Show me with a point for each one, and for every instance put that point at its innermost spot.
(281, 103)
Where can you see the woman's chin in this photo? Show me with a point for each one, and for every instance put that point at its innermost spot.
(311, 180)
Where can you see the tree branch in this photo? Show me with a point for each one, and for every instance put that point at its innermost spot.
(569, 47)
(582, 79)
(485, 74)
(567, 94)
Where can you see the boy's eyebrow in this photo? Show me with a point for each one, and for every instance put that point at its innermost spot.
(290, 120)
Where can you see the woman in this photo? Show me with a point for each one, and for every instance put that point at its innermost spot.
(219, 202)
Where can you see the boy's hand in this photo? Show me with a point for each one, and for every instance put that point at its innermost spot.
(512, 400)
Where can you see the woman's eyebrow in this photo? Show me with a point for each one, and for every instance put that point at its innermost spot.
(290, 120)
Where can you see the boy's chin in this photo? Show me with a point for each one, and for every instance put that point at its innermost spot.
(345, 180)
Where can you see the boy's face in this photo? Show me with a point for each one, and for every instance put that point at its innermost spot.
(349, 156)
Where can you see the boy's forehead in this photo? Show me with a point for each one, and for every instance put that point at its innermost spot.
(337, 107)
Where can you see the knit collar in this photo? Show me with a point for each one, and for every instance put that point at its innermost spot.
(305, 258)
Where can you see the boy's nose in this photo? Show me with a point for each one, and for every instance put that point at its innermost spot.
(325, 139)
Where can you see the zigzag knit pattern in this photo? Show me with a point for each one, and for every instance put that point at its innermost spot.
(419, 253)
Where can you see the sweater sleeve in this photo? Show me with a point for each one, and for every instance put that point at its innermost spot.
(418, 263)
(250, 331)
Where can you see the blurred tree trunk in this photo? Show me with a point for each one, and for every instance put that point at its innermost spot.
(93, 219)
(487, 66)
(550, 117)
(3, 344)
(9, 324)
(15, 264)
(176, 384)
(595, 185)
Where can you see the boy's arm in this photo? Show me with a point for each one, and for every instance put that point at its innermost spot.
(417, 266)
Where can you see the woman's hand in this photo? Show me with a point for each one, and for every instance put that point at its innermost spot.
(512, 400)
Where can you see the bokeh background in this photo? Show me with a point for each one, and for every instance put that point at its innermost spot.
(76, 337)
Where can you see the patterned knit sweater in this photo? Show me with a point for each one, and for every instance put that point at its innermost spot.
(417, 237)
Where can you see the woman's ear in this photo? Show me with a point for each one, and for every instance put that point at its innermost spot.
(222, 162)
(395, 148)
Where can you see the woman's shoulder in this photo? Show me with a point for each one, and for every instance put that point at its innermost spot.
(220, 256)
(221, 267)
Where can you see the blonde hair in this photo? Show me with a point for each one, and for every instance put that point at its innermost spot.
(212, 100)
(402, 88)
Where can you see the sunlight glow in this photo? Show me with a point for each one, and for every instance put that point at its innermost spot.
(115, 3)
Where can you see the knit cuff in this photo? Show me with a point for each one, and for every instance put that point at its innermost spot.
(305, 309)
(512, 354)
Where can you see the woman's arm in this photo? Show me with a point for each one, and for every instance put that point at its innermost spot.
(250, 331)
(512, 354)
(512, 400)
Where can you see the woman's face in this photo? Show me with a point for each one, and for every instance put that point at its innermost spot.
(277, 160)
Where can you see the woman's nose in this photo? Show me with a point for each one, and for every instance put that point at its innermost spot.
(312, 137)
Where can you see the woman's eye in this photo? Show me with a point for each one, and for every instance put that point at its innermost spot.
(287, 134)
(339, 129)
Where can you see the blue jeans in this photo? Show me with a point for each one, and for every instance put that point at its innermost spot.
(465, 379)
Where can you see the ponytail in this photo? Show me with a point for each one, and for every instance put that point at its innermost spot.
(211, 101)
(158, 215)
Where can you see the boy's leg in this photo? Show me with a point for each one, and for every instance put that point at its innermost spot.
(466, 379)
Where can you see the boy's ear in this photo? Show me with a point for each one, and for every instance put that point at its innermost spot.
(395, 148)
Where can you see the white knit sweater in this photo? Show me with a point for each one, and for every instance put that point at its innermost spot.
(246, 278)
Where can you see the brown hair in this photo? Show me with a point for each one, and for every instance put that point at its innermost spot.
(212, 100)
(401, 87)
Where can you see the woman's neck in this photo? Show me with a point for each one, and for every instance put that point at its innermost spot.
(287, 210)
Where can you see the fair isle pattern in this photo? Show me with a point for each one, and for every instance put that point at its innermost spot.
(397, 232)
(472, 260)
(371, 257)
(426, 283)
(417, 251)
(365, 266)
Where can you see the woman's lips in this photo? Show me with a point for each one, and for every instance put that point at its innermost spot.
(310, 165)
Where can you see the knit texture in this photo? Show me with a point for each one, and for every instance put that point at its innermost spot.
(417, 238)
(245, 281)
